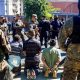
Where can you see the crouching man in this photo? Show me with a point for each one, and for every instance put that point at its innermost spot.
(50, 58)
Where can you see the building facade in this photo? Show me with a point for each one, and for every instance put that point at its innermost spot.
(11, 7)
(66, 6)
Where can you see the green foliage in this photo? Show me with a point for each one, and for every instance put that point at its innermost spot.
(39, 7)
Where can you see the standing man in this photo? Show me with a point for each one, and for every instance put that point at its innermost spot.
(4, 49)
(69, 40)
(44, 26)
(55, 27)
(17, 26)
(34, 24)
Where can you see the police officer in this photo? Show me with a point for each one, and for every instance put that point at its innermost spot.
(44, 27)
(69, 40)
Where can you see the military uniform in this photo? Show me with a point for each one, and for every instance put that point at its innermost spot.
(72, 63)
(4, 47)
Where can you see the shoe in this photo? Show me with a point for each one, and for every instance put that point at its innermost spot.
(33, 74)
(28, 74)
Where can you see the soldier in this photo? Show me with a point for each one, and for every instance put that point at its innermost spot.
(34, 24)
(4, 48)
(18, 26)
(69, 40)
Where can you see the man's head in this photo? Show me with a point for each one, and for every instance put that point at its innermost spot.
(43, 17)
(55, 17)
(1, 19)
(52, 42)
(34, 17)
(17, 38)
(31, 33)
(17, 16)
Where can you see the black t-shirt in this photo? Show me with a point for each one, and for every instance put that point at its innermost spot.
(32, 47)
(44, 25)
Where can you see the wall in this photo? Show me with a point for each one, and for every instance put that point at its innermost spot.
(2, 7)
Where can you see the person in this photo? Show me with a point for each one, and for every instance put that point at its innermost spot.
(33, 24)
(17, 45)
(16, 51)
(4, 28)
(17, 26)
(4, 48)
(4, 25)
(32, 49)
(55, 27)
(69, 40)
(50, 58)
(44, 29)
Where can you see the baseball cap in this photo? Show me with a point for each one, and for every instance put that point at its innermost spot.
(35, 15)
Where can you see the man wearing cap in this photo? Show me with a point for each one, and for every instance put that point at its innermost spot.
(34, 24)
(69, 40)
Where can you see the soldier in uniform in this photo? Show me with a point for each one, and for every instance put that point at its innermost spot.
(18, 26)
(4, 49)
(33, 24)
(69, 40)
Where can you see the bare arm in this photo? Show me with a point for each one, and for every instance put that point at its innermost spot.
(44, 62)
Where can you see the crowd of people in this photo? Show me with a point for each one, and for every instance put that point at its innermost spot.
(38, 33)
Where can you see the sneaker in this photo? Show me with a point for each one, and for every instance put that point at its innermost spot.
(28, 74)
(33, 74)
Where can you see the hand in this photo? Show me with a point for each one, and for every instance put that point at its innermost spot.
(54, 68)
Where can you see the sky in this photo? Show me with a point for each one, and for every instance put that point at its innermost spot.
(63, 0)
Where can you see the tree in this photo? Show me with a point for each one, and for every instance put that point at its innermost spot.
(39, 7)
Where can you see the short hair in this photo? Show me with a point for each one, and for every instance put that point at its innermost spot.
(17, 37)
(31, 33)
(52, 42)
(44, 16)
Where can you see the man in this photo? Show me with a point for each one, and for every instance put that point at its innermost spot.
(34, 24)
(17, 26)
(4, 49)
(44, 27)
(4, 28)
(69, 40)
(50, 58)
(55, 27)
(32, 50)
